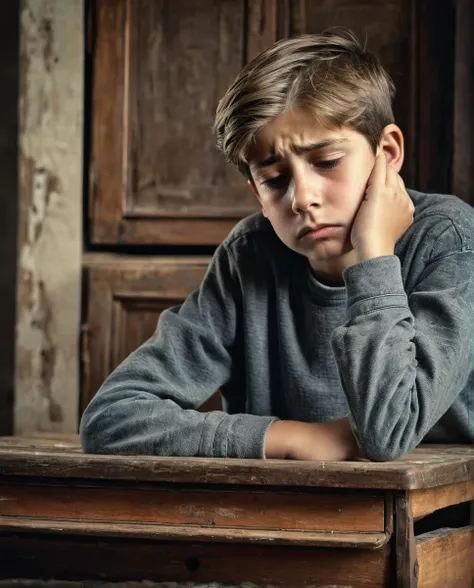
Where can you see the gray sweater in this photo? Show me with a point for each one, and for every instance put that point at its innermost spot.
(392, 349)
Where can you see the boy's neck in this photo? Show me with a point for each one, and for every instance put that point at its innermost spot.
(329, 272)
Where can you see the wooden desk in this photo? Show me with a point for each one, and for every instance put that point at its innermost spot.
(66, 515)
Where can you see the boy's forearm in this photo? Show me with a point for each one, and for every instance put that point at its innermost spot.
(330, 441)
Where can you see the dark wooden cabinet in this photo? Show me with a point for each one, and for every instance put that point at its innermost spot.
(159, 68)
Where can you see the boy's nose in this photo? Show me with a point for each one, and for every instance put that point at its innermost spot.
(304, 197)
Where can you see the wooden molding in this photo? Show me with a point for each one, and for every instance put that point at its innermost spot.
(427, 500)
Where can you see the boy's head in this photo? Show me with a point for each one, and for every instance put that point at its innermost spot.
(317, 89)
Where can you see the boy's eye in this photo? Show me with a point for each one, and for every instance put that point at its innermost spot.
(276, 183)
(328, 163)
(279, 182)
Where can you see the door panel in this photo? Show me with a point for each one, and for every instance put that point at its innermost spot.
(125, 297)
(183, 56)
(160, 68)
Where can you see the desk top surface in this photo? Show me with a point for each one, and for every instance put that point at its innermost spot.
(60, 456)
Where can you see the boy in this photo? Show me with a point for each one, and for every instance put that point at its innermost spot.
(338, 322)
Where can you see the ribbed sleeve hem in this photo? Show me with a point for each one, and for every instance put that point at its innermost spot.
(373, 284)
(238, 435)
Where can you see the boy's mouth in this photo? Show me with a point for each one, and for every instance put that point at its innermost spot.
(317, 231)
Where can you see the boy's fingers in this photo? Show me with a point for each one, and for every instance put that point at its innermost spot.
(379, 171)
(392, 177)
(401, 183)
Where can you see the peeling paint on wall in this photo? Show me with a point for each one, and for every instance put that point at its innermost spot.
(50, 232)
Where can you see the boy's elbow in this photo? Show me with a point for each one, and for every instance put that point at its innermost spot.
(88, 439)
(378, 450)
(93, 435)
(388, 441)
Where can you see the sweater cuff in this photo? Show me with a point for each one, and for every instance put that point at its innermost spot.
(374, 283)
(239, 435)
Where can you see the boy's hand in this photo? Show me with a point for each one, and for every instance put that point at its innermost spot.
(384, 215)
(331, 441)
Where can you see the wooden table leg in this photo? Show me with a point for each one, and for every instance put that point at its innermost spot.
(405, 550)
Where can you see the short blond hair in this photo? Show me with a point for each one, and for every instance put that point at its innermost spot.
(331, 74)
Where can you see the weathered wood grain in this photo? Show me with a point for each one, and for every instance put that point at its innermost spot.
(204, 506)
(123, 301)
(427, 500)
(405, 554)
(426, 467)
(156, 174)
(75, 558)
(446, 558)
(192, 533)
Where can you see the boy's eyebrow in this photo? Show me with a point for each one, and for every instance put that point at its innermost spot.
(299, 149)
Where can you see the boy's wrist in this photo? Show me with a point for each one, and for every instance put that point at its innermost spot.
(277, 440)
(373, 250)
(332, 440)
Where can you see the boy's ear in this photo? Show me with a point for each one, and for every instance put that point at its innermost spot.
(392, 144)
(251, 185)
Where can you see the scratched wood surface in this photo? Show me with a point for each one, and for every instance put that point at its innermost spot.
(55, 456)
(426, 501)
(445, 558)
(204, 506)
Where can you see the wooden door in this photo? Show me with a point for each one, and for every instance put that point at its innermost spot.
(124, 296)
(160, 67)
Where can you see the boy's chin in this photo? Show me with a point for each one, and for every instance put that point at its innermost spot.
(326, 251)
(332, 261)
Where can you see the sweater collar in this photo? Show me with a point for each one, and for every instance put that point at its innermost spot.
(321, 291)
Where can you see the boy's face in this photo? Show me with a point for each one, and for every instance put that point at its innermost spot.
(307, 175)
